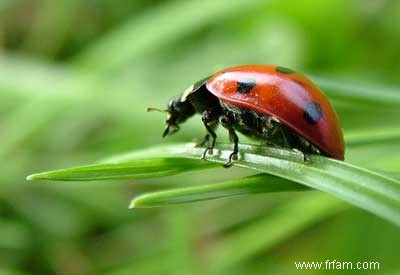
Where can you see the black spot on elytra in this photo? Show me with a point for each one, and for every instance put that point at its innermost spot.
(312, 112)
(284, 70)
(246, 85)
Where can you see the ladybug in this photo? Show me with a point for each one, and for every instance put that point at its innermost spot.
(274, 104)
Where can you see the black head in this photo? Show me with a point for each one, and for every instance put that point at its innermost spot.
(178, 112)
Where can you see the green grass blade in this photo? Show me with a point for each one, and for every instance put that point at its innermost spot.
(363, 188)
(135, 169)
(34, 78)
(162, 25)
(260, 183)
(372, 136)
(357, 91)
(40, 114)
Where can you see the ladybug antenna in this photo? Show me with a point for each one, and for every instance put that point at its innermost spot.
(150, 109)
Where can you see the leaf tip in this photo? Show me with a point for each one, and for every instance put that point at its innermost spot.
(133, 204)
(137, 202)
(31, 177)
(37, 176)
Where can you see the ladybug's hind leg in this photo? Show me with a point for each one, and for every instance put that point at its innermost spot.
(296, 143)
(304, 154)
(226, 123)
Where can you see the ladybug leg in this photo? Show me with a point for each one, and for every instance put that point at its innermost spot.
(290, 142)
(234, 155)
(285, 139)
(207, 136)
(304, 154)
(225, 122)
(207, 118)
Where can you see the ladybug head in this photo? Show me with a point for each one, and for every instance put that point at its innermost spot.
(178, 111)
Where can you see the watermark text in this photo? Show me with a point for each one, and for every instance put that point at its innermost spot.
(333, 264)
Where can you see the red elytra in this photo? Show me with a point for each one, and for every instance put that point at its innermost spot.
(284, 94)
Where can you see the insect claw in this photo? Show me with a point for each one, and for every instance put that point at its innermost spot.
(232, 156)
(203, 156)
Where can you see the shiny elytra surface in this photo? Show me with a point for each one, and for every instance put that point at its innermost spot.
(285, 94)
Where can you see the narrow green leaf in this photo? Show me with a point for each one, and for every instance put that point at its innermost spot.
(366, 189)
(135, 169)
(363, 188)
(260, 183)
(371, 136)
(357, 91)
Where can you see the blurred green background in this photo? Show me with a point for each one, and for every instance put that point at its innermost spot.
(75, 79)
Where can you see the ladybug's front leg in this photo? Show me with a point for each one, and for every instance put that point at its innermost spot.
(207, 136)
(209, 117)
(226, 123)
